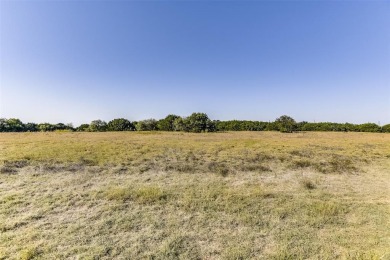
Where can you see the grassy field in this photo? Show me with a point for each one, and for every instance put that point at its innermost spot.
(156, 195)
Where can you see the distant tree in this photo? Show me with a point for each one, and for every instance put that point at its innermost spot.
(300, 125)
(369, 127)
(146, 125)
(386, 128)
(14, 125)
(46, 127)
(348, 127)
(120, 124)
(199, 122)
(286, 124)
(31, 127)
(272, 126)
(3, 125)
(83, 128)
(98, 126)
(60, 126)
(167, 124)
(179, 125)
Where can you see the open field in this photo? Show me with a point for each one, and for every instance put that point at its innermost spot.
(160, 195)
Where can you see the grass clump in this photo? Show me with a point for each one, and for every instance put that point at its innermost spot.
(179, 247)
(13, 166)
(302, 153)
(185, 166)
(254, 168)
(301, 164)
(308, 184)
(337, 164)
(325, 209)
(29, 253)
(144, 194)
(234, 252)
(219, 168)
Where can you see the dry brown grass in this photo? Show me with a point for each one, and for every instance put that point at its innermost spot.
(194, 196)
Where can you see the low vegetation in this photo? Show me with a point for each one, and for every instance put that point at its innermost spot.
(196, 123)
(175, 195)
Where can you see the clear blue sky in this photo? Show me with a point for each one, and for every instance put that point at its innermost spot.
(76, 61)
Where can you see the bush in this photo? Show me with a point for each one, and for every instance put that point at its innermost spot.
(146, 125)
(197, 123)
(308, 184)
(386, 128)
(286, 124)
(83, 128)
(240, 125)
(98, 126)
(168, 123)
(369, 127)
(120, 124)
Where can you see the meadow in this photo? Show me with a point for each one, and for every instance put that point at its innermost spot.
(174, 195)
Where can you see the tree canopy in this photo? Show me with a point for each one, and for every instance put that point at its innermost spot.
(196, 123)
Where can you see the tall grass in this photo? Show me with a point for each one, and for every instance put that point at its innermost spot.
(194, 196)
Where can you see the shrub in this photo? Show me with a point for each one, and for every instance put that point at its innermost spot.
(301, 164)
(146, 125)
(386, 128)
(198, 122)
(168, 123)
(308, 184)
(286, 124)
(83, 128)
(369, 127)
(120, 124)
(219, 168)
(336, 164)
(98, 126)
(146, 194)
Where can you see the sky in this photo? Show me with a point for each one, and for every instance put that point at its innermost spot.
(77, 61)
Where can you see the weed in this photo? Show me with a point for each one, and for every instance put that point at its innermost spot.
(363, 256)
(302, 153)
(218, 168)
(336, 164)
(179, 247)
(7, 169)
(254, 168)
(13, 166)
(144, 194)
(308, 184)
(325, 209)
(235, 252)
(181, 167)
(29, 253)
(301, 164)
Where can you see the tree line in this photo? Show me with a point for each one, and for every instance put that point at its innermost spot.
(196, 122)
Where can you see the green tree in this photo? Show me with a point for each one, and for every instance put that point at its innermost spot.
(286, 124)
(146, 125)
(98, 126)
(369, 127)
(31, 127)
(179, 125)
(386, 128)
(45, 127)
(15, 125)
(167, 124)
(120, 124)
(3, 125)
(83, 128)
(199, 122)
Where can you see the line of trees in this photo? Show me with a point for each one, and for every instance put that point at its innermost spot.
(196, 122)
